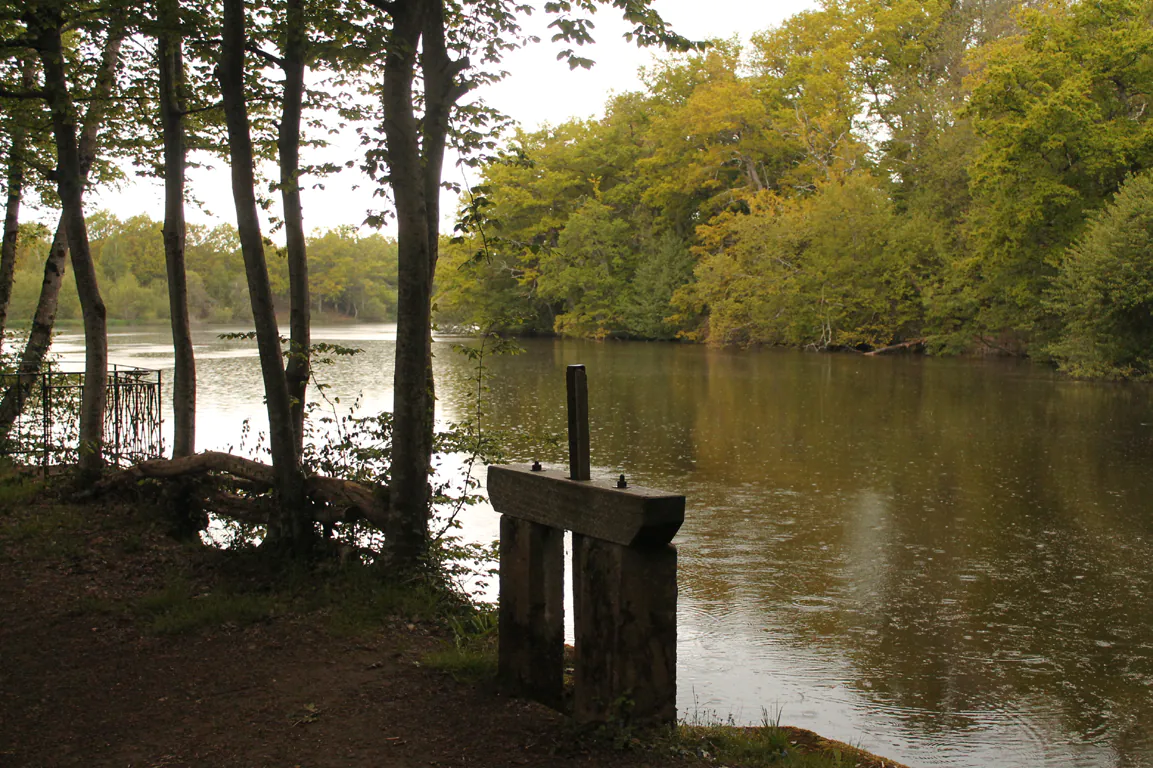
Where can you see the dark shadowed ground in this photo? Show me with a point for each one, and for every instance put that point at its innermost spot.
(121, 647)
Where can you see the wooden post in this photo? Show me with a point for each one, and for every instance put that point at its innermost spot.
(625, 632)
(531, 617)
(578, 423)
(624, 582)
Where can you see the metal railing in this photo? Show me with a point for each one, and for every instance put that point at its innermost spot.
(47, 429)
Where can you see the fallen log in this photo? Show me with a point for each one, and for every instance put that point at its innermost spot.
(896, 347)
(336, 500)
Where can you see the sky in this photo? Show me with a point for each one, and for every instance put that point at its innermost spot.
(539, 90)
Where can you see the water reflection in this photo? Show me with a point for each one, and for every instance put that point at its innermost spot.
(946, 561)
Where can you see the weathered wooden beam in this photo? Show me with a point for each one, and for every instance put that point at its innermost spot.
(633, 516)
(576, 385)
(531, 614)
(625, 632)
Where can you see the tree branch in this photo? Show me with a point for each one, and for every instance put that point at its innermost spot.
(263, 54)
(198, 110)
(388, 6)
(18, 42)
(47, 171)
(5, 93)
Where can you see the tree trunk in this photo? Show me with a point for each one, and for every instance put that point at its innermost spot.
(406, 535)
(441, 92)
(16, 163)
(11, 225)
(288, 143)
(291, 527)
(415, 159)
(44, 320)
(47, 23)
(172, 107)
(40, 335)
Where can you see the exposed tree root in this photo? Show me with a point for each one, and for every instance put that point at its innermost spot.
(334, 500)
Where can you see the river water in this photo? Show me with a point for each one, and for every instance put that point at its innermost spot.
(948, 562)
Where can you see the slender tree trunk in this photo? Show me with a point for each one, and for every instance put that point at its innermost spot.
(40, 335)
(416, 159)
(16, 164)
(44, 320)
(406, 537)
(11, 225)
(295, 51)
(441, 92)
(171, 70)
(172, 107)
(48, 23)
(291, 527)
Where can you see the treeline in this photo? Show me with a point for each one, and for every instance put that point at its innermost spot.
(350, 275)
(868, 174)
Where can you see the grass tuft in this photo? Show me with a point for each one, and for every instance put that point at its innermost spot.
(471, 657)
(357, 600)
(46, 532)
(763, 746)
(466, 665)
(17, 488)
(178, 609)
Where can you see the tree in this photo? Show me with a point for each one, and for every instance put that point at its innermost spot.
(354, 275)
(173, 105)
(44, 24)
(16, 118)
(585, 270)
(295, 47)
(1062, 111)
(1104, 290)
(291, 527)
(441, 39)
(813, 270)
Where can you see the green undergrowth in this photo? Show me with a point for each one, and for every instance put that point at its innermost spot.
(349, 600)
(755, 747)
(181, 607)
(16, 487)
(43, 531)
(724, 743)
(229, 588)
(768, 744)
(356, 599)
(471, 656)
(200, 588)
(58, 530)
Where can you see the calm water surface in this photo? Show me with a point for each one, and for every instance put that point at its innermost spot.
(947, 562)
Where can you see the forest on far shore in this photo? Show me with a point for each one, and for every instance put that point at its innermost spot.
(970, 177)
(351, 275)
(978, 175)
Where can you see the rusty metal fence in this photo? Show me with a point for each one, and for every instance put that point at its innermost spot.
(46, 431)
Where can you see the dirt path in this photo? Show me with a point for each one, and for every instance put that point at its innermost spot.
(83, 683)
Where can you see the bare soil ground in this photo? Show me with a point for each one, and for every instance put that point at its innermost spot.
(88, 679)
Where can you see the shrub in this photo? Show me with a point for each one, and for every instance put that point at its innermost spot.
(1104, 290)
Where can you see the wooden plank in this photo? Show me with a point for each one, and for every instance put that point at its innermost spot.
(576, 384)
(633, 516)
(625, 631)
(531, 610)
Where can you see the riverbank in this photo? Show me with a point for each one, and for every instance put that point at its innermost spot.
(122, 647)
